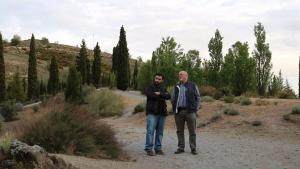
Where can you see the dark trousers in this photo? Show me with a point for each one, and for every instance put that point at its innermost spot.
(190, 118)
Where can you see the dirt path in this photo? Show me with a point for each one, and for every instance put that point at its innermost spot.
(226, 151)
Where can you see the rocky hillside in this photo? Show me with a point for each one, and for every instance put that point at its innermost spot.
(16, 57)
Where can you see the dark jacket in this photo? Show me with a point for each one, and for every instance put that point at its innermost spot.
(192, 97)
(156, 104)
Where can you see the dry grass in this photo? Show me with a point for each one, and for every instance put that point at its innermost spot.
(270, 116)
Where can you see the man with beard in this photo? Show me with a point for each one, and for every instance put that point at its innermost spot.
(156, 111)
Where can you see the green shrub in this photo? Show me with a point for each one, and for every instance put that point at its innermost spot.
(140, 107)
(217, 95)
(5, 142)
(105, 103)
(287, 94)
(207, 99)
(231, 112)
(207, 90)
(35, 108)
(74, 131)
(18, 106)
(245, 100)
(256, 123)
(261, 102)
(7, 110)
(86, 91)
(203, 124)
(215, 117)
(286, 117)
(275, 103)
(296, 110)
(226, 91)
(229, 99)
(237, 100)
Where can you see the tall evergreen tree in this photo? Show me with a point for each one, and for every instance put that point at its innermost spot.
(215, 46)
(115, 62)
(262, 55)
(32, 90)
(73, 88)
(82, 65)
(123, 60)
(2, 72)
(43, 88)
(154, 63)
(134, 77)
(299, 80)
(53, 82)
(97, 66)
(89, 75)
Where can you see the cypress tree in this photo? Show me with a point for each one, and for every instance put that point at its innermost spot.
(15, 89)
(43, 89)
(73, 88)
(135, 73)
(97, 66)
(2, 72)
(53, 82)
(299, 80)
(123, 62)
(82, 65)
(88, 71)
(32, 90)
(115, 60)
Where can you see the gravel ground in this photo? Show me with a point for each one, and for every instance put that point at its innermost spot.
(216, 151)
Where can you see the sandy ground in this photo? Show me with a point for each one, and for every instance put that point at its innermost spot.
(219, 145)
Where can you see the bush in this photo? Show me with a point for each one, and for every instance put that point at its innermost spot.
(256, 123)
(5, 142)
(296, 110)
(86, 91)
(8, 111)
(45, 41)
(231, 112)
(226, 91)
(261, 102)
(286, 117)
(74, 131)
(207, 90)
(215, 117)
(203, 124)
(16, 40)
(218, 94)
(140, 108)
(229, 99)
(207, 99)
(245, 100)
(287, 94)
(105, 103)
(35, 108)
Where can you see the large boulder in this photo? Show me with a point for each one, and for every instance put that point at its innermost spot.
(34, 156)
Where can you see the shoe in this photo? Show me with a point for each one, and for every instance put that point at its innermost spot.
(194, 152)
(179, 151)
(159, 152)
(150, 153)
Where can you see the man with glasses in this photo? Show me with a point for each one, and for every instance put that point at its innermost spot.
(156, 111)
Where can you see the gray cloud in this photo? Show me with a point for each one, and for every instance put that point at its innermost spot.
(191, 22)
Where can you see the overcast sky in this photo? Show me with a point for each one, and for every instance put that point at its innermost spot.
(191, 22)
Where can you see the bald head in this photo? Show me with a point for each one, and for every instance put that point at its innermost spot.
(183, 76)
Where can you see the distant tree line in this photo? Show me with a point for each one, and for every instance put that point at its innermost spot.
(236, 73)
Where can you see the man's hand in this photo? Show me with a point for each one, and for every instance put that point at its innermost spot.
(157, 93)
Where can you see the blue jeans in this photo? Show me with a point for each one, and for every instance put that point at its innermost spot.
(155, 123)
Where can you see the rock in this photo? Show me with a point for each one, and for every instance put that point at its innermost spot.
(35, 156)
